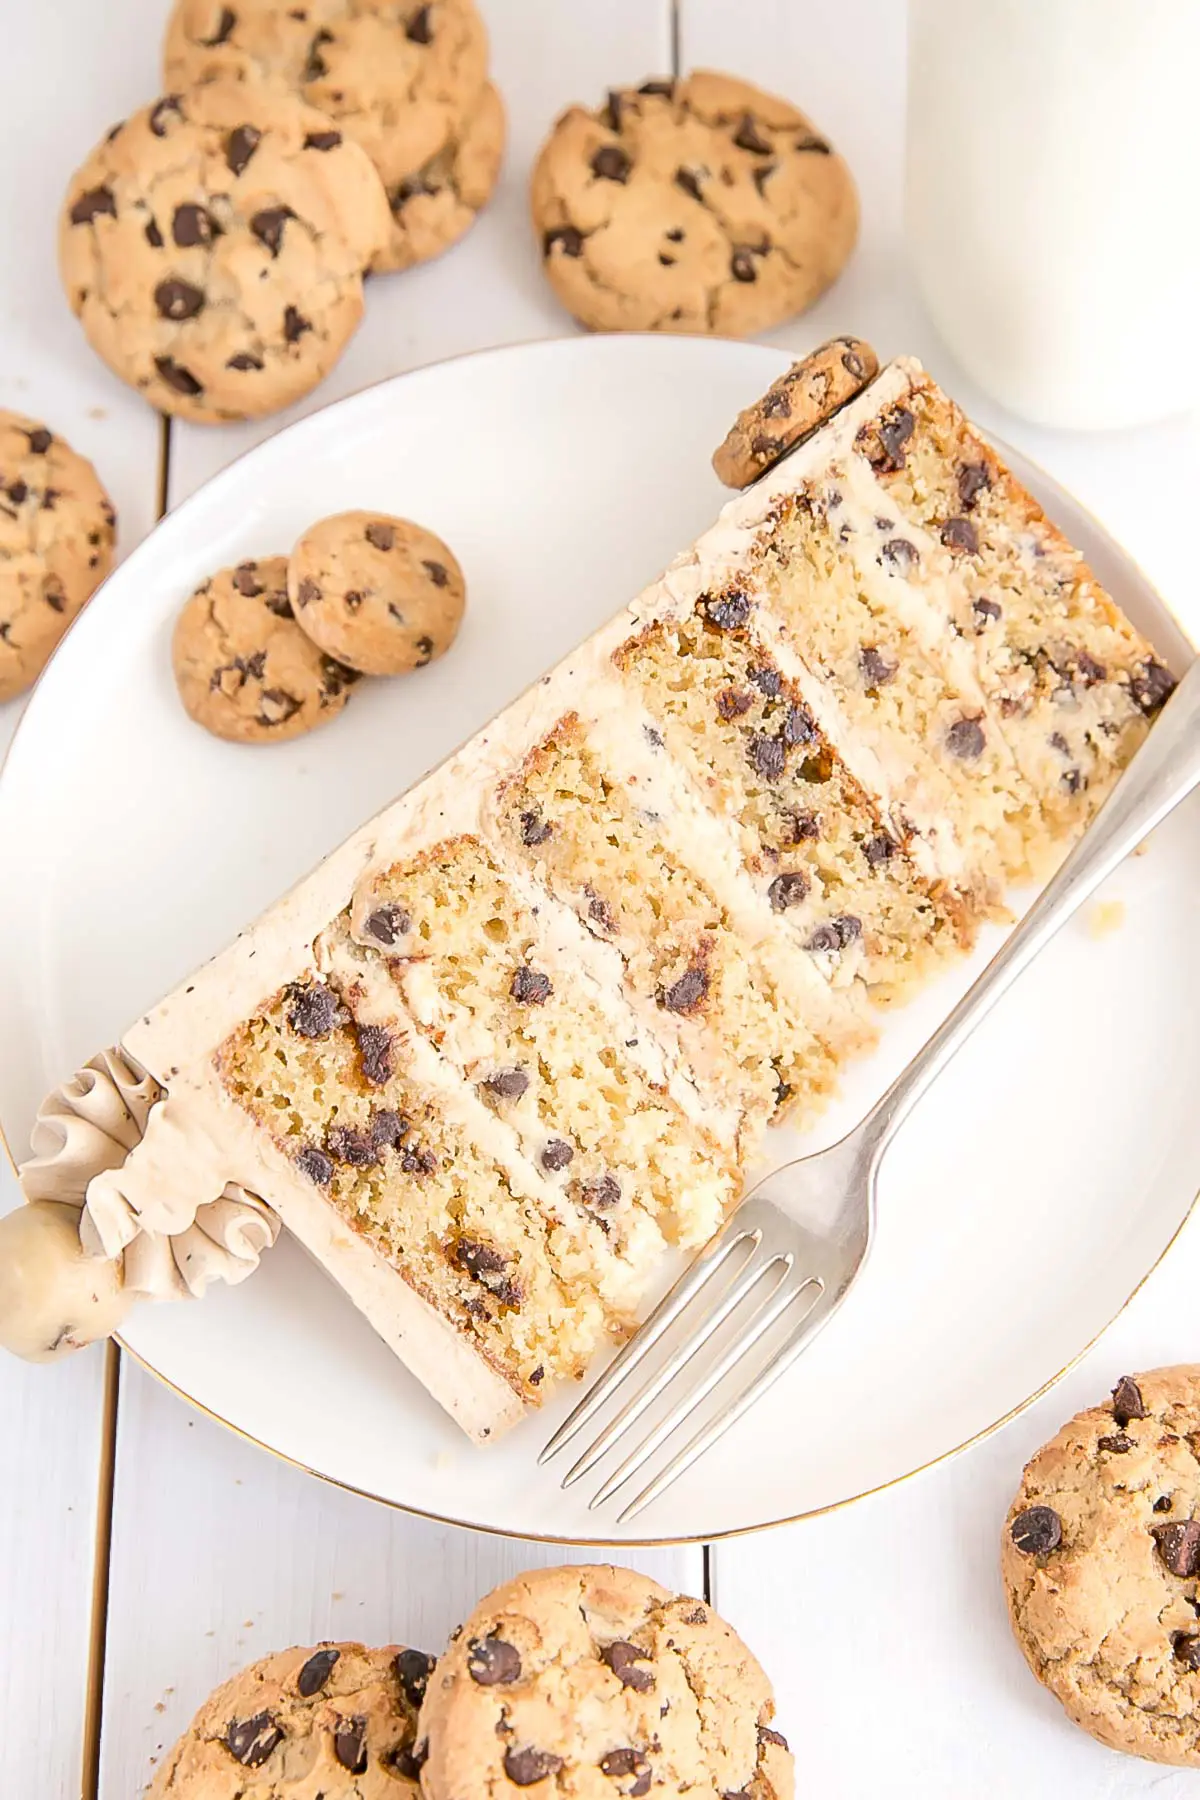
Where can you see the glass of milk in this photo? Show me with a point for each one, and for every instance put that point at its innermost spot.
(1053, 200)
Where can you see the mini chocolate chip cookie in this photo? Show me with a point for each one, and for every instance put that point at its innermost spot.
(381, 594)
(337, 1722)
(811, 391)
(213, 247)
(700, 205)
(403, 78)
(1101, 1560)
(243, 667)
(604, 1682)
(57, 529)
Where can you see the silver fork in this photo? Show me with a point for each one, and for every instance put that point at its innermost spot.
(797, 1242)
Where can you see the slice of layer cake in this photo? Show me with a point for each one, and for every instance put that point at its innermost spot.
(523, 1031)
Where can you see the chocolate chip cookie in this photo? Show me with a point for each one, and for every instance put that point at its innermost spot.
(700, 205)
(403, 78)
(243, 667)
(1101, 1560)
(332, 1723)
(57, 529)
(596, 1681)
(811, 391)
(213, 248)
(381, 594)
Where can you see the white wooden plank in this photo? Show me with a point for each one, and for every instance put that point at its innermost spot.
(489, 289)
(67, 74)
(221, 1553)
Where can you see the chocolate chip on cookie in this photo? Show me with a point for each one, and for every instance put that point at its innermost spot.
(701, 205)
(1101, 1562)
(194, 277)
(406, 81)
(324, 1716)
(378, 593)
(243, 667)
(792, 408)
(57, 528)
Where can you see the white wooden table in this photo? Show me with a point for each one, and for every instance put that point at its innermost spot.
(144, 1551)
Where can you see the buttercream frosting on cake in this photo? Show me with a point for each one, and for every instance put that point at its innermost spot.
(523, 1031)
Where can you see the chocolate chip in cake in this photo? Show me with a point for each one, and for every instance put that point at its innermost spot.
(412, 1669)
(530, 987)
(1179, 1545)
(1089, 668)
(687, 993)
(492, 1662)
(768, 681)
(1163, 1503)
(418, 1162)
(728, 612)
(878, 850)
(732, 703)
(534, 829)
(387, 923)
(375, 1053)
(619, 1764)
(407, 1762)
(1152, 686)
(1127, 1402)
(316, 1672)
(350, 1744)
(894, 433)
(350, 1145)
(767, 1736)
(251, 1741)
(610, 163)
(768, 755)
(507, 1084)
(314, 1010)
(901, 554)
(600, 1194)
(315, 1164)
(788, 889)
(877, 671)
(1186, 1648)
(804, 825)
(240, 146)
(387, 1129)
(965, 739)
(489, 1267)
(973, 480)
(960, 534)
(1117, 1442)
(599, 911)
(623, 1659)
(1036, 1531)
(836, 933)
(557, 1155)
(983, 608)
(526, 1767)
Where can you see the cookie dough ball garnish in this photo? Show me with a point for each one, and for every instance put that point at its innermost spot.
(57, 530)
(244, 669)
(339, 1719)
(54, 1298)
(1101, 1562)
(213, 248)
(378, 593)
(598, 1681)
(701, 205)
(406, 80)
(792, 408)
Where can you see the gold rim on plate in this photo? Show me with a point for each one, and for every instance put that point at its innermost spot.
(737, 1531)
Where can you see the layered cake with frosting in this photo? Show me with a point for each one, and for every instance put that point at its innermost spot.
(525, 1030)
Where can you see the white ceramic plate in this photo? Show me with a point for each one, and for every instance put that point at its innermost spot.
(1033, 1191)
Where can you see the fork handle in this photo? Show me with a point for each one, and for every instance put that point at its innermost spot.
(1164, 772)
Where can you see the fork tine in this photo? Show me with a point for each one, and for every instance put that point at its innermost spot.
(659, 1321)
(769, 1313)
(797, 1340)
(646, 1395)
